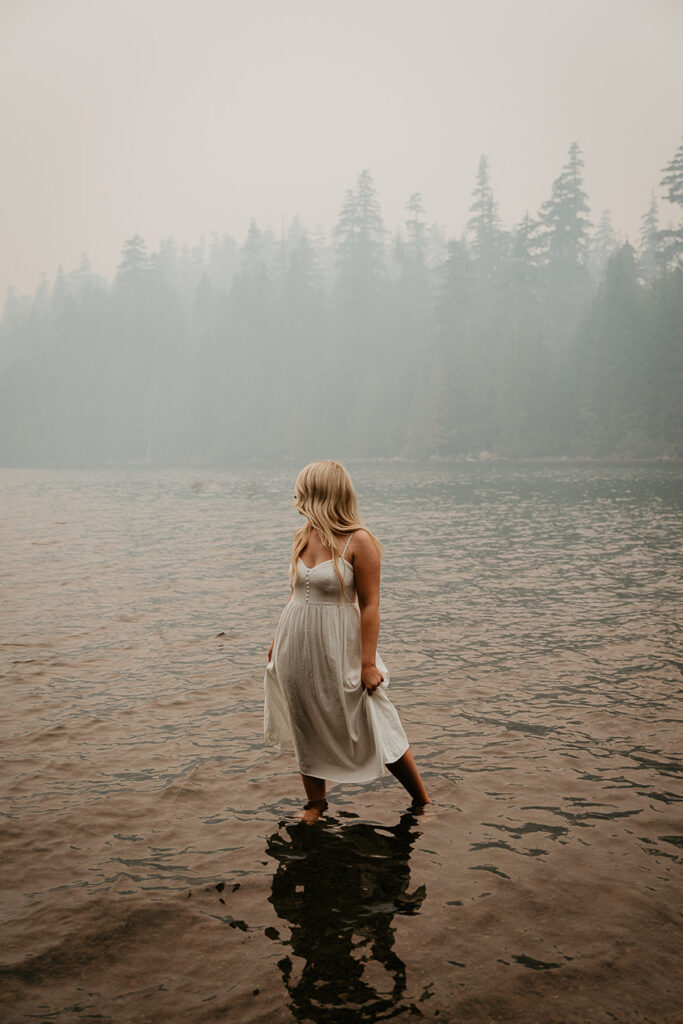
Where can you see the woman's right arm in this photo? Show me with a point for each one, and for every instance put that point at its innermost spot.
(270, 649)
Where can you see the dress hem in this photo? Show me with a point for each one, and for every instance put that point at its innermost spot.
(281, 748)
(279, 745)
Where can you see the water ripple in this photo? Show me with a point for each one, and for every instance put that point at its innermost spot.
(154, 866)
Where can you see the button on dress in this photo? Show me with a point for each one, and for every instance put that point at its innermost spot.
(315, 702)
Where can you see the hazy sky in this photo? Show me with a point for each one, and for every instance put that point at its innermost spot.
(180, 118)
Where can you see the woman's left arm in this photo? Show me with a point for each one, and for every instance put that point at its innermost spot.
(366, 567)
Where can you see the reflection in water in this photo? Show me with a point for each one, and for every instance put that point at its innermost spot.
(534, 611)
(338, 887)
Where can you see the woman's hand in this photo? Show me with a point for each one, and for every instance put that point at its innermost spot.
(270, 651)
(371, 677)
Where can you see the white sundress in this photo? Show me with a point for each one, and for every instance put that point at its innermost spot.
(314, 701)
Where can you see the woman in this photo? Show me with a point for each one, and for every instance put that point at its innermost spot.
(325, 683)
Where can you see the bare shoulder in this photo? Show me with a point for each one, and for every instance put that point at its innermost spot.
(362, 545)
(361, 538)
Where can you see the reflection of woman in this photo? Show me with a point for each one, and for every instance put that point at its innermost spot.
(338, 888)
(325, 684)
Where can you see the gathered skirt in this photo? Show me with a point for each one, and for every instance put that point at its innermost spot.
(315, 703)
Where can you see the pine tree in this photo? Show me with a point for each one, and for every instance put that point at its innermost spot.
(602, 245)
(672, 182)
(416, 229)
(359, 236)
(664, 335)
(520, 373)
(82, 275)
(410, 309)
(134, 264)
(672, 178)
(252, 252)
(615, 364)
(565, 216)
(450, 384)
(360, 315)
(525, 248)
(346, 231)
(411, 256)
(222, 261)
(167, 260)
(436, 246)
(252, 286)
(567, 287)
(370, 223)
(483, 227)
(649, 253)
(304, 279)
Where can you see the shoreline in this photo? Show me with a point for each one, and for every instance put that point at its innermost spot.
(483, 459)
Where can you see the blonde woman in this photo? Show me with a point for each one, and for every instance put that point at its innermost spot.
(325, 683)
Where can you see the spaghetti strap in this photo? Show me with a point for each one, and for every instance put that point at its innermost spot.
(346, 545)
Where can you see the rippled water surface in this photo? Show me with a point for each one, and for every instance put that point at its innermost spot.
(153, 868)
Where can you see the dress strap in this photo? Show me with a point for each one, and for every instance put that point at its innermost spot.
(346, 545)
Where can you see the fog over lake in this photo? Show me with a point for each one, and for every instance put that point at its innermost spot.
(361, 231)
(443, 244)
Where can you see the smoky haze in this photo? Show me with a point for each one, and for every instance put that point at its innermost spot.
(405, 230)
(167, 118)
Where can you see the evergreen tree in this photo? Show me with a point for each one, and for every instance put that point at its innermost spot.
(252, 251)
(15, 331)
(223, 261)
(436, 246)
(59, 289)
(362, 330)
(448, 420)
(410, 308)
(525, 249)
(132, 354)
(82, 275)
(614, 363)
(411, 255)
(199, 353)
(664, 340)
(484, 228)
(370, 223)
(359, 238)
(650, 254)
(567, 285)
(672, 178)
(520, 374)
(672, 182)
(302, 359)
(346, 231)
(602, 245)
(565, 216)
(134, 264)
(415, 253)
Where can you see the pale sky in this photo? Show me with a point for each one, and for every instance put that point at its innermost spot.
(171, 117)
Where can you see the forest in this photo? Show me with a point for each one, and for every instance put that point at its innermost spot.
(551, 338)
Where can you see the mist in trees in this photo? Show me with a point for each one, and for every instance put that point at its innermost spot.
(552, 337)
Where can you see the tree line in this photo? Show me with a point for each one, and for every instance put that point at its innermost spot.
(549, 338)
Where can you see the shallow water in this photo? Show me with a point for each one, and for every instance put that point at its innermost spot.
(152, 865)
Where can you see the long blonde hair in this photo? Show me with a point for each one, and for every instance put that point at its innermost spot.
(324, 494)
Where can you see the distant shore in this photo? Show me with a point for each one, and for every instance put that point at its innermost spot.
(461, 460)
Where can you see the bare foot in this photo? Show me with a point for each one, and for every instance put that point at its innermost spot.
(312, 811)
(405, 770)
(419, 807)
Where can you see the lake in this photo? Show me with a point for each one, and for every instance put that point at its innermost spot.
(153, 866)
